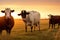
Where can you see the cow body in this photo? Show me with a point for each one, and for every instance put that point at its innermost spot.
(7, 21)
(54, 20)
(32, 19)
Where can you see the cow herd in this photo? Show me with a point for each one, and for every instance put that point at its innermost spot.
(31, 18)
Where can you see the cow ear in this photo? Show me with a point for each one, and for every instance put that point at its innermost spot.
(19, 14)
(48, 15)
(27, 13)
(3, 11)
(12, 10)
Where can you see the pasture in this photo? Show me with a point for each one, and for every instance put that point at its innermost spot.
(18, 32)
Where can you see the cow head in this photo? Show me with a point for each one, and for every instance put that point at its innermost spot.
(23, 13)
(50, 15)
(7, 12)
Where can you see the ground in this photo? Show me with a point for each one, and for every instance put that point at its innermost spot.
(18, 32)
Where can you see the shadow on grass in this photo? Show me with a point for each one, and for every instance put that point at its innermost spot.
(45, 34)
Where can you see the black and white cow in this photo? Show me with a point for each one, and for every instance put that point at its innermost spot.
(31, 19)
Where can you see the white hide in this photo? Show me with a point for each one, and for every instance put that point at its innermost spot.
(8, 12)
(34, 17)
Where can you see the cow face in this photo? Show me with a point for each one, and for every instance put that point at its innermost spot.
(7, 12)
(23, 14)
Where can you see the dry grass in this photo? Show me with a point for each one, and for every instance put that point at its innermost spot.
(18, 32)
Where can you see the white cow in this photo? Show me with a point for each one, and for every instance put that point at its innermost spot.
(31, 19)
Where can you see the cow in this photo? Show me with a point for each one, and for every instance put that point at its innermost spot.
(54, 19)
(31, 18)
(7, 21)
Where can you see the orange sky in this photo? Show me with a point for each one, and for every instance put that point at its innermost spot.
(45, 7)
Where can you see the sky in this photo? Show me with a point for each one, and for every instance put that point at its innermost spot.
(44, 7)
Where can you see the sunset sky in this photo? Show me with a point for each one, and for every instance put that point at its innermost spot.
(44, 7)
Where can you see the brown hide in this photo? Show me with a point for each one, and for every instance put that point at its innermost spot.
(54, 20)
(6, 24)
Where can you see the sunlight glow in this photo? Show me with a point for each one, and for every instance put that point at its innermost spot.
(44, 10)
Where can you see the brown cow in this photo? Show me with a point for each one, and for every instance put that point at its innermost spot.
(7, 21)
(54, 20)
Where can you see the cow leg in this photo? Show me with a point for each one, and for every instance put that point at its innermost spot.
(39, 25)
(31, 28)
(52, 26)
(0, 31)
(8, 31)
(25, 28)
(49, 26)
(58, 25)
(34, 27)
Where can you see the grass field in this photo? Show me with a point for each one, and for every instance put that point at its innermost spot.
(18, 32)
